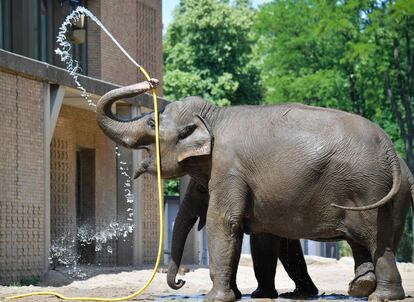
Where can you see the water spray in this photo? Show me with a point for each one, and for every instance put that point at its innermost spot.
(73, 67)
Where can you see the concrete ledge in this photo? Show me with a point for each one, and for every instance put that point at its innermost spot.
(17, 64)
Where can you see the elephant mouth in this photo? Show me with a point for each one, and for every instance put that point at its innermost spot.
(145, 165)
(142, 168)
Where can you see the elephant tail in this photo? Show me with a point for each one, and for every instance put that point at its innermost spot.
(396, 182)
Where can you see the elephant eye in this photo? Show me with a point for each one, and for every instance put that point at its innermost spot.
(151, 123)
(186, 131)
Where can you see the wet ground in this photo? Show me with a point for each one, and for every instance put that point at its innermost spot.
(331, 277)
(324, 297)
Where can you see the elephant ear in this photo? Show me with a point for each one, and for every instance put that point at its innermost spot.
(195, 139)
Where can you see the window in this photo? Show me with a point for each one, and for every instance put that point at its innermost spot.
(29, 28)
(5, 24)
(1, 24)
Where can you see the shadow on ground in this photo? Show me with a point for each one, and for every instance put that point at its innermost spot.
(62, 276)
(323, 297)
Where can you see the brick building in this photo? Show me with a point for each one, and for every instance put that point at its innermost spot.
(57, 170)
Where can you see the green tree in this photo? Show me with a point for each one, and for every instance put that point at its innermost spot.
(314, 52)
(208, 52)
(172, 187)
(392, 32)
(355, 55)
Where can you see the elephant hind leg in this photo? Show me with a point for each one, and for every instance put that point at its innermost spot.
(389, 285)
(388, 278)
(364, 282)
(264, 250)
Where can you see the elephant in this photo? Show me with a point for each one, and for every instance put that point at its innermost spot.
(364, 282)
(263, 249)
(194, 206)
(290, 170)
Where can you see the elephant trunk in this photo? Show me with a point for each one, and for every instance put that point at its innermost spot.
(182, 226)
(128, 133)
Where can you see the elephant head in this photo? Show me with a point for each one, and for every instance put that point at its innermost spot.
(183, 130)
(185, 133)
(194, 206)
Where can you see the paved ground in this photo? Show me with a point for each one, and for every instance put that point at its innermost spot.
(329, 275)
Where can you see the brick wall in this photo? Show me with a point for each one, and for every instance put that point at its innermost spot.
(137, 25)
(22, 249)
(150, 223)
(94, 40)
(149, 37)
(77, 128)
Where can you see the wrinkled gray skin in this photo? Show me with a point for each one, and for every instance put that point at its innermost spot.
(290, 170)
(264, 248)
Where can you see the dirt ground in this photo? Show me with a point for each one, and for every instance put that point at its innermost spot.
(331, 277)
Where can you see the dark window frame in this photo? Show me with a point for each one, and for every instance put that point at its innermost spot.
(6, 24)
(32, 31)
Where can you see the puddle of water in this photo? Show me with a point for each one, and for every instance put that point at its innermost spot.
(180, 297)
(329, 297)
(340, 297)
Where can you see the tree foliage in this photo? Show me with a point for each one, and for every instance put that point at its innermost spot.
(208, 52)
(355, 55)
(342, 54)
(172, 187)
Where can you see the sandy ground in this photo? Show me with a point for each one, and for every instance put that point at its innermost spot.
(331, 277)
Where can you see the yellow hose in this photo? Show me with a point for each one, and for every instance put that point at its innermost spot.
(161, 213)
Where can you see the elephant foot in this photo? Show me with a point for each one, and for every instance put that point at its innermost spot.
(362, 286)
(221, 295)
(387, 291)
(301, 293)
(264, 293)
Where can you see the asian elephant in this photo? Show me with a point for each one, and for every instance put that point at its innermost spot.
(194, 207)
(264, 250)
(291, 170)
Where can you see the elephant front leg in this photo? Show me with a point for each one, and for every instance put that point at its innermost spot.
(291, 256)
(225, 235)
(389, 286)
(264, 249)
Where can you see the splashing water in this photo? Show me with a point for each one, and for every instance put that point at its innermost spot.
(64, 47)
(64, 249)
